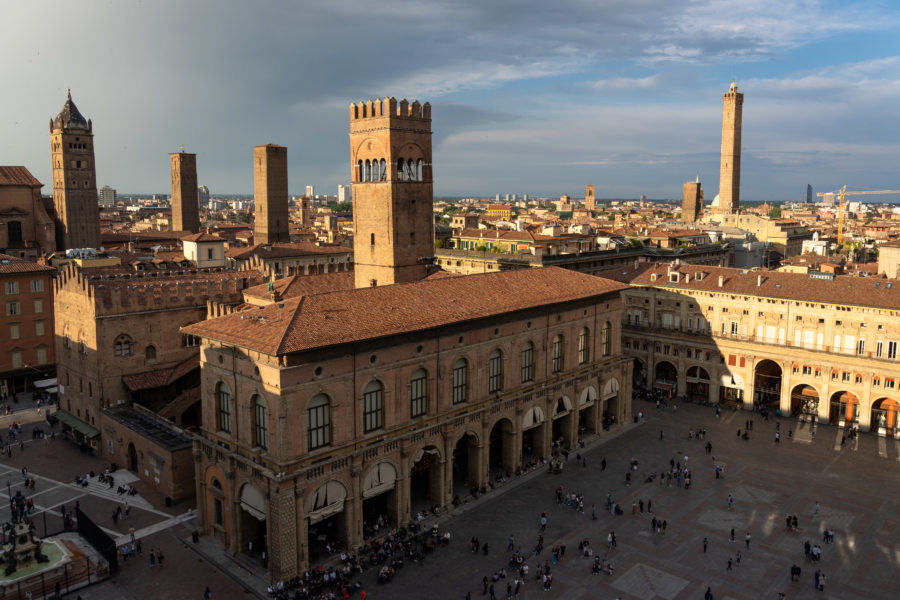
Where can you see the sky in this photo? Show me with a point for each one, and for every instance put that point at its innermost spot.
(528, 97)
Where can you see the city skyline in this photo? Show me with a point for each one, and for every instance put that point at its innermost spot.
(622, 95)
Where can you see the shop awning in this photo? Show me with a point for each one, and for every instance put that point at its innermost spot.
(52, 390)
(665, 386)
(45, 383)
(77, 424)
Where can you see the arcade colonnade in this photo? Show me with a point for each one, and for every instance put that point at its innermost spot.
(338, 501)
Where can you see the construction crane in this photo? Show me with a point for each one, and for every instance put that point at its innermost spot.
(843, 192)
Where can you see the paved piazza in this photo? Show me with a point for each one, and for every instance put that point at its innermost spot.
(857, 489)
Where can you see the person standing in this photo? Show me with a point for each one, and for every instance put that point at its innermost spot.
(747, 540)
(708, 595)
(649, 506)
(730, 501)
(732, 534)
(207, 593)
(705, 544)
(152, 557)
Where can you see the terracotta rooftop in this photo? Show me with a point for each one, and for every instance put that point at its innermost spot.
(853, 291)
(18, 176)
(336, 318)
(10, 265)
(284, 250)
(305, 285)
(161, 377)
(202, 237)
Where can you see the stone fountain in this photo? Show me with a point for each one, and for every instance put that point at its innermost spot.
(20, 550)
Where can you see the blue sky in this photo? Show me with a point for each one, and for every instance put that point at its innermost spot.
(528, 97)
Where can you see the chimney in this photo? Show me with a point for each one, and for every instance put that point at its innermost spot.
(721, 280)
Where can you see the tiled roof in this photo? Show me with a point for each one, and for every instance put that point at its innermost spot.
(202, 237)
(70, 117)
(12, 265)
(497, 234)
(161, 377)
(305, 285)
(17, 176)
(853, 291)
(361, 314)
(285, 250)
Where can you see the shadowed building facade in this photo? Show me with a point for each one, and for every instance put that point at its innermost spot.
(74, 179)
(691, 201)
(270, 191)
(185, 193)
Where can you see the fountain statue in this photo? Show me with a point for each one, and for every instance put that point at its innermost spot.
(20, 549)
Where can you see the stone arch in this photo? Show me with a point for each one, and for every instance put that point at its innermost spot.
(767, 377)
(843, 407)
(698, 380)
(589, 395)
(501, 455)
(665, 377)
(884, 417)
(426, 479)
(217, 499)
(804, 400)
(326, 500)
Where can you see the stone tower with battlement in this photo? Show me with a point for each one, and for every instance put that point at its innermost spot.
(185, 193)
(74, 179)
(691, 201)
(393, 217)
(730, 169)
(590, 201)
(270, 191)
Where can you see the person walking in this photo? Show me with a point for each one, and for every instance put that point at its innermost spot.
(705, 544)
(603, 464)
(816, 509)
(737, 558)
(152, 558)
(747, 540)
(708, 595)
(730, 501)
(732, 534)
(511, 545)
(207, 593)
(822, 582)
(543, 522)
(728, 568)
(649, 506)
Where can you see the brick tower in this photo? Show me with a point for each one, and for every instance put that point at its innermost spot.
(270, 190)
(393, 217)
(730, 170)
(185, 194)
(590, 202)
(691, 201)
(74, 179)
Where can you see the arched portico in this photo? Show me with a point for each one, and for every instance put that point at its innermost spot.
(843, 409)
(610, 398)
(562, 421)
(588, 411)
(884, 417)
(327, 519)
(697, 384)
(767, 384)
(804, 401)
(501, 449)
(665, 378)
(380, 498)
(533, 447)
(426, 490)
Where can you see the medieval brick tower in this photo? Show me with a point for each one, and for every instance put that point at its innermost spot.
(590, 201)
(730, 169)
(691, 201)
(270, 190)
(74, 179)
(185, 194)
(393, 217)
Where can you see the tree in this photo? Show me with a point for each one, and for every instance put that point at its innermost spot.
(775, 213)
(342, 207)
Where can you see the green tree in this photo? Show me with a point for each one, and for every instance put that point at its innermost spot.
(775, 213)
(342, 207)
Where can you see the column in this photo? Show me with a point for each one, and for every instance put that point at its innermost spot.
(353, 509)
(404, 513)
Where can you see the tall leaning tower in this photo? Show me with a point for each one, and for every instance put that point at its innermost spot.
(730, 168)
(270, 192)
(185, 193)
(393, 216)
(74, 179)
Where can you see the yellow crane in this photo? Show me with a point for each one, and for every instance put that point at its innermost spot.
(843, 192)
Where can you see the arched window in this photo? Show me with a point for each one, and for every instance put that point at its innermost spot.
(495, 372)
(223, 407)
(360, 171)
(382, 176)
(556, 354)
(527, 362)
(368, 170)
(399, 169)
(410, 171)
(418, 393)
(260, 422)
(584, 346)
(606, 339)
(373, 406)
(419, 170)
(150, 353)
(318, 416)
(460, 380)
(122, 346)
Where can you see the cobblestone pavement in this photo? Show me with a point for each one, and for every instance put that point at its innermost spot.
(857, 488)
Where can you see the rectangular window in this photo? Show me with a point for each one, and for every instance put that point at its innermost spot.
(220, 515)
(892, 350)
(373, 415)
(734, 328)
(845, 376)
(261, 420)
(858, 379)
(879, 349)
(495, 373)
(556, 355)
(459, 382)
(889, 384)
(527, 363)
(224, 411)
(16, 357)
(418, 395)
(319, 429)
(38, 305)
(637, 318)
(12, 287)
(14, 331)
(807, 370)
(39, 328)
(861, 347)
(42, 355)
(37, 285)
(12, 309)
(189, 341)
